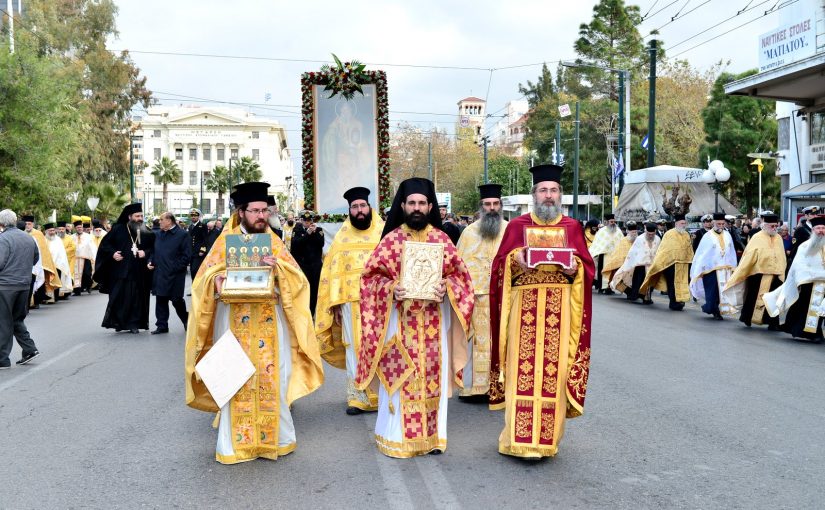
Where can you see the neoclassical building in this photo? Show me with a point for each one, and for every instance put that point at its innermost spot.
(198, 139)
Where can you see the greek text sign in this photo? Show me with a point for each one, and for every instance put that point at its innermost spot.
(791, 42)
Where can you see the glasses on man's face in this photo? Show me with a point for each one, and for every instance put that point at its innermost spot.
(547, 191)
(355, 207)
(258, 212)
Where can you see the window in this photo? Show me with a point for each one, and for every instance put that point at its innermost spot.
(221, 154)
(818, 127)
(256, 135)
(157, 206)
(157, 153)
(193, 154)
(784, 133)
(156, 133)
(193, 178)
(256, 154)
(207, 154)
(206, 206)
(233, 153)
(206, 176)
(179, 154)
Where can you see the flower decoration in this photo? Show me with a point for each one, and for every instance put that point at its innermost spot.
(354, 75)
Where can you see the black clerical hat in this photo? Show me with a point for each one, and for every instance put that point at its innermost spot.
(78, 223)
(27, 217)
(543, 173)
(817, 220)
(247, 192)
(357, 193)
(650, 227)
(678, 217)
(270, 200)
(770, 218)
(420, 185)
(490, 190)
(47, 226)
(609, 217)
(719, 216)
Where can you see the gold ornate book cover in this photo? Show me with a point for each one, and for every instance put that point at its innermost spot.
(421, 268)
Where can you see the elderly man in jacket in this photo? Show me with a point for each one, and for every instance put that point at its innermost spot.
(173, 251)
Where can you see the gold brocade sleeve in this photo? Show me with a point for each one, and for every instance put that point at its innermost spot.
(764, 254)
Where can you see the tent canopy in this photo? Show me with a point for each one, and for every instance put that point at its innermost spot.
(646, 190)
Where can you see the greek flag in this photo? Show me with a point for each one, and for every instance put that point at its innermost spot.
(618, 166)
(644, 142)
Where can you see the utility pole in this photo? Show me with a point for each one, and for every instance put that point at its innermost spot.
(10, 12)
(558, 143)
(651, 118)
(622, 152)
(575, 211)
(484, 140)
(430, 158)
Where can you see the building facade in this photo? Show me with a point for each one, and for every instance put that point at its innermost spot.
(198, 139)
(509, 132)
(791, 71)
(471, 115)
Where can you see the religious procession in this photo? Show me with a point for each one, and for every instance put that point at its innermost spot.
(236, 266)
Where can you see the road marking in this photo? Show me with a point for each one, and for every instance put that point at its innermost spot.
(40, 366)
(395, 490)
(437, 484)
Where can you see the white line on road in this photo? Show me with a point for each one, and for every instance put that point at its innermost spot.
(38, 367)
(395, 489)
(437, 484)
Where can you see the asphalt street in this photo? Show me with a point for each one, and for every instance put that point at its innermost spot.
(681, 412)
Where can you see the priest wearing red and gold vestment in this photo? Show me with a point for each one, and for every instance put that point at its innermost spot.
(415, 348)
(540, 328)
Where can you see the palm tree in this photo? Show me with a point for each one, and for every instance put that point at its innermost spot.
(166, 171)
(111, 202)
(218, 181)
(247, 170)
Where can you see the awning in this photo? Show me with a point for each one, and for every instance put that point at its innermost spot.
(800, 82)
(638, 202)
(809, 189)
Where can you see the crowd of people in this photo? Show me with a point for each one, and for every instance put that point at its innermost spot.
(501, 312)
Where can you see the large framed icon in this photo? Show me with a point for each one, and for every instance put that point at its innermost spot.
(345, 142)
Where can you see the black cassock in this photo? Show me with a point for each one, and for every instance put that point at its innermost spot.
(127, 282)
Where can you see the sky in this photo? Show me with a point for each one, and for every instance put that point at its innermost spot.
(420, 44)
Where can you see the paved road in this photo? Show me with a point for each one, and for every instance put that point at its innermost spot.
(682, 412)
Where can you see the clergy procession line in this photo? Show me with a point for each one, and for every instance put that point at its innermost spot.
(502, 316)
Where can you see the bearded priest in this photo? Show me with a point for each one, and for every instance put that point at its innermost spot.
(798, 303)
(477, 246)
(761, 270)
(713, 264)
(415, 347)
(671, 266)
(605, 242)
(614, 261)
(275, 332)
(338, 313)
(540, 327)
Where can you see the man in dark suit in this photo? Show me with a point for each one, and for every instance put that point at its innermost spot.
(197, 232)
(307, 248)
(173, 250)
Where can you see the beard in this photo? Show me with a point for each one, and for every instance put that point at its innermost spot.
(612, 228)
(489, 224)
(361, 221)
(259, 227)
(681, 230)
(817, 243)
(137, 226)
(290, 222)
(50, 237)
(416, 220)
(545, 212)
(61, 235)
(718, 230)
(633, 234)
(275, 222)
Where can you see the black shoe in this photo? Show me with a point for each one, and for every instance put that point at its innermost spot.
(647, 301)
(608, 292)
(28, 357)
(718, 317)
(678, 307)
(353, 411)
(436, 452)
(159, 331)
(134, 331)
(5, 367)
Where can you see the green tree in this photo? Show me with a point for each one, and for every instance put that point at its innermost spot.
(218, 182)
(511, 172)
(537, 92)
(39, 129)
(165, 172)
(247, 170)
(735, 126)
(112, 200)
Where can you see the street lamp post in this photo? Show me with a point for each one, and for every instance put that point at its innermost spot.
(92, 203)
(715, 175)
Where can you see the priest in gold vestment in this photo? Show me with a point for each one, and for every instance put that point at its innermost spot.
(761, 270)
(614, 261)
(477, 247)
(414, 347)
(338, 312)
(540, 327)
(631, 275)
(276, 334)
(671, 265)
(604, 243)
(51, 282)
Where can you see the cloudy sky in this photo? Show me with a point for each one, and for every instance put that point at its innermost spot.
(420, 44)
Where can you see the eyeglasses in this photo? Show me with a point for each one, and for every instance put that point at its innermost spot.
(355, 207)
(545, 191)
(258, 212)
